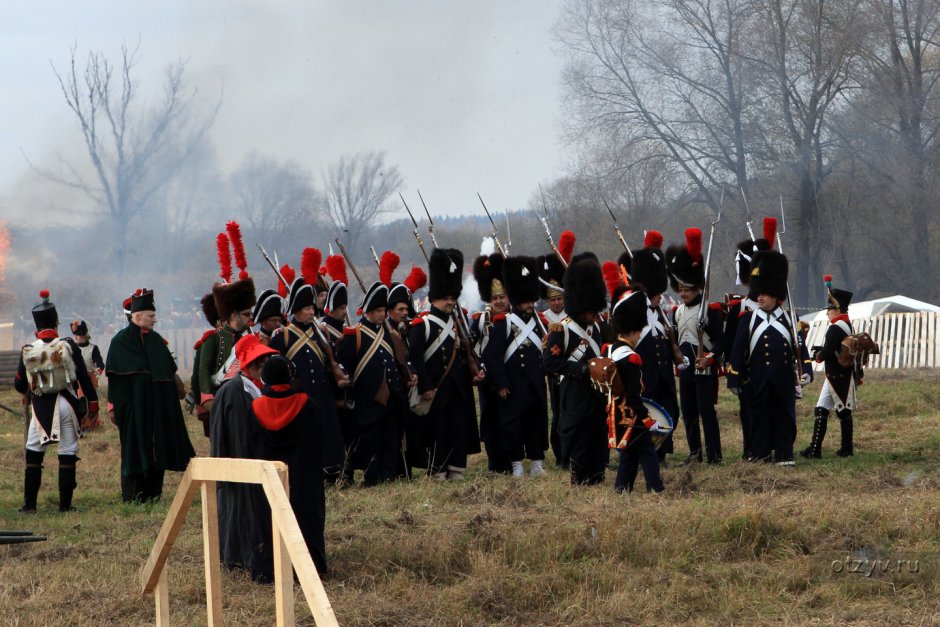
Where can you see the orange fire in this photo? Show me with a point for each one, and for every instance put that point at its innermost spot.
(4, 247)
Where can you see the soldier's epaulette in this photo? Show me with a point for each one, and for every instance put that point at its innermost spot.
(476, 315)
(555, 327)
(675, 308)
(742, 313)
(166, 341)
(734, 302)
(715, 306)
(498, 317)
(464, 310)
(201, 341)
(542, 318)
(422, 314)
(635, 359)
(349, 331)
(604, 347)
(418, 320)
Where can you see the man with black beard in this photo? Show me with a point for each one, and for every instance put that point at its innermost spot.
(513, 359)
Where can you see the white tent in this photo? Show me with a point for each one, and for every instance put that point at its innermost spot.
(906, 330)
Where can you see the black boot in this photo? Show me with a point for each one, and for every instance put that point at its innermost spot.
(845, 421)
(32, 480)
(67, 482)
(819, 432)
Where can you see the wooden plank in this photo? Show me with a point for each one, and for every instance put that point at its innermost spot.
(876, 335)
(175, 518)
(283, 568)
(307, 574)
(933, 347)
(921, 340)
(210, 551)
(230, 469)
(161, 597)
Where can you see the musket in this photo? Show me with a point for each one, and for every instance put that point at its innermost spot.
(794, 334)
(747, 210)
(499, 247)
(508, 233)
(375, 257)
(617, 228)
(703, 308)
(417, 235)
(430, 221)
(399, 350)
(548, 231)
(338, 372)
(15, 413)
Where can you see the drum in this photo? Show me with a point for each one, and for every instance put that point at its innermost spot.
(664, 424)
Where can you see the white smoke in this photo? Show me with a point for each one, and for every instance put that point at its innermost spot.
(488, 246)
(470, 296)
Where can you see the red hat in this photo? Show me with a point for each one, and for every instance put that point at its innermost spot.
(250, 348)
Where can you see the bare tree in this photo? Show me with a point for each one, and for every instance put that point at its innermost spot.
(135, 149)
(357, 193)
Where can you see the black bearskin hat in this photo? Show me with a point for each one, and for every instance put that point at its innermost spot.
(269, 305)
(488, 273)
(44, 313)
(551, 273)
(521, 279)
(231, 297)
(584, 286)
(685, 264)
(769, 275)
(648, 271)
(207, 303)
(446, 273)
(629, 313)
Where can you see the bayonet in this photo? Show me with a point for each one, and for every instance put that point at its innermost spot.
(499, 246)
(548, 231)
(430, 221)
(416, 233)
(617, 228)
(747, 210)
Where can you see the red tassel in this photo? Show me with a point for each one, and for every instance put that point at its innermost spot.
(827, 278)
(238, 248)
(416, 279)
(336, 268)
(289, 275)
(387, 266)
(225, 257)
(693, 243)
(310, 265)
(653, 239)
(43, 294)
(566, 243)
(611, 276)
(770, 230)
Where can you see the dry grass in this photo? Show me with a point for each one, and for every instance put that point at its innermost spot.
(729, 545)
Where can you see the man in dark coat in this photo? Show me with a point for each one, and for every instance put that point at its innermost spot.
(765, 361)
(143, 393)
(231, 425)
(448, 433)
(513, 360)
(838, 391)
(288, 426)
(569, 347)
(379, 392)
(50, 375)
(551, 273)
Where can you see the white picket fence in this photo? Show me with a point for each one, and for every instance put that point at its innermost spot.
(907, 340)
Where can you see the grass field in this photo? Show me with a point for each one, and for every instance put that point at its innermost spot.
(822, 543)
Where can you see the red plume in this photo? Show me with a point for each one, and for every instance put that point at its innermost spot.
(611, 276)
(225, 257)
(653, 239)
(43, 294)
(323, 271)
(238, 248)
(827, 278)
(289, 275)
(387, 266)
(336, 268)
(693, 243)
(566, 245)
(416, 279)
(310, 265)
(770, 230)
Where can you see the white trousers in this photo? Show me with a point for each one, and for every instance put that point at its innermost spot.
(68, 434)
(828, 400)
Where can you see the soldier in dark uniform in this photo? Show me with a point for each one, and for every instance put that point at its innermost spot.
(268, 314)
(366, 351)
(513, 360)
(569, 347)
(304, 344)
(655, 347)
(738, 305)
(50, 374)
(488, 273)
(698, 386)
(838, 391)
(336, 305)
(551, 273)
(764, 361)
(446, 373)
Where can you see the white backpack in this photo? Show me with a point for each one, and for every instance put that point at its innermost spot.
(49, 367)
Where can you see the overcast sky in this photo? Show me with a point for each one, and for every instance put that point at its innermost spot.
(463, 95)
